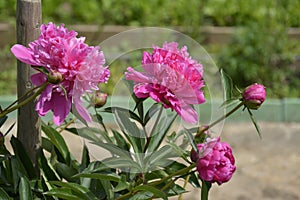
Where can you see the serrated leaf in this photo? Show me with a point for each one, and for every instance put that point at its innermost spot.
(24, 189)
(255, 123)
(58, 141)
(20, 152)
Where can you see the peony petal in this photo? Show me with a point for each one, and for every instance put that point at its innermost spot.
(24, 54)
(83, 112)
(187, 113)
(61, 108)
(38, 79)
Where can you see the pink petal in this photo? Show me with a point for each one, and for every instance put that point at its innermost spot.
(188, 114)
(61, 108)
(24, 54)
(83, 112)
(38, 79)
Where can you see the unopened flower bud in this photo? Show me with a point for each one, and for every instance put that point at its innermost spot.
(215, 161)
(254, 95)
(55, 77)
(100, 99)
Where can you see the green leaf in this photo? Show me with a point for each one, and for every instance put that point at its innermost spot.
(113, 149)
(135, 136)
(123, 163)
(194, 180)
(191, 139)
(3, 120)
(24, 189)
(142, 196)
(160, 157)
(91, 133)
(227, 85)
(48, 171)
(255, 123)
(157, 138)
(85, 158)
(155, 191)
(20, 152)
(62, 193)
(17, 170)
(151, 112)
(121, 142)
(130, 114)
(4, 195)
(122, 185)
(82, 192)
(58, 141)
(65, 171)
(109, 177)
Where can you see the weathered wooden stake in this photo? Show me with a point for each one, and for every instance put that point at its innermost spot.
(29, 18)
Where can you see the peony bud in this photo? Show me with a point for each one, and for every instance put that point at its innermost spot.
(55, 77)
(254, 95)
(215, 162)
(100, 99)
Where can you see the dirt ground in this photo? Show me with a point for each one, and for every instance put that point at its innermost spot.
(267, 169)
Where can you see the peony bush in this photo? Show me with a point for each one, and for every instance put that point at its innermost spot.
(147, 157)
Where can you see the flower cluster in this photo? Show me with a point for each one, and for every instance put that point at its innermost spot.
(172, 78)
(70, 66)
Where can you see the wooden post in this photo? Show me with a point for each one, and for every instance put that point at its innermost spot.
(29, 18)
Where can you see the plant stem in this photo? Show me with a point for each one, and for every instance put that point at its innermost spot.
(24, 95)
(205, 189)
(153, 129)
(224, 116)
(180, 172)
(30, 98)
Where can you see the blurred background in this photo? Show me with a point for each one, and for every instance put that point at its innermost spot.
(253, 40)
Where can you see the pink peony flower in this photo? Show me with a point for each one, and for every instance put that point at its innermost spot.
(215, 162)
(254, 95)
(59, 51)
(172, 78)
